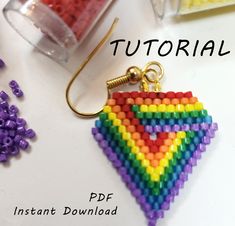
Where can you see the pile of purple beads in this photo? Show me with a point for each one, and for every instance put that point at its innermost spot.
(13, 129)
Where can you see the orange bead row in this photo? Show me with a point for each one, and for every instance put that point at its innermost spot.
(149, 101)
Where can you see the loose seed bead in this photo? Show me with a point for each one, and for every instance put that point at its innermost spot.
(4, 104)
(13, 84)
(18, 92)
(13, 109)
(7, 141)
(3, 157)
(21, 130)
(4, 96)
(23, 144)
(15, 151)
(12, 116)
(10, 124)
(20, 122)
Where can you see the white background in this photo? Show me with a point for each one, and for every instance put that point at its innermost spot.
(65, 164)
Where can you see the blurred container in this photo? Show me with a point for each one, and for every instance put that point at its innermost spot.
(181, 7)
(55, 27)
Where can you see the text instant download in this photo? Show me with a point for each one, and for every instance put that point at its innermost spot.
(66, 211)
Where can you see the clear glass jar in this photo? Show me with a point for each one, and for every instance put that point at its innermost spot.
(182, 7)
(55, 27)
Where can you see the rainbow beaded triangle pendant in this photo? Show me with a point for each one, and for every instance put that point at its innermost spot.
(154, 139)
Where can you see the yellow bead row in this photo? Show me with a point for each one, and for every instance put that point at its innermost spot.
(198, 106)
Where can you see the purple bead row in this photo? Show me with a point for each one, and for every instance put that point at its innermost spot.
(176, 128)
(13, 130)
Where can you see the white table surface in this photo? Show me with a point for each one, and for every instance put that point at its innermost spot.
(64, 164)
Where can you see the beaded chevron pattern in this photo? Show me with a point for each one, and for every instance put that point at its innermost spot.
(154, 140)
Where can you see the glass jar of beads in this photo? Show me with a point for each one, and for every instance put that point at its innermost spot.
(183, 7)
(55, 27)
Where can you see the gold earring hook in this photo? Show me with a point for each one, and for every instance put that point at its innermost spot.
(82, 66)
(133, 75)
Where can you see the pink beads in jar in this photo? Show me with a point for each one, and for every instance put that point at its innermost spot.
(55, 27)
